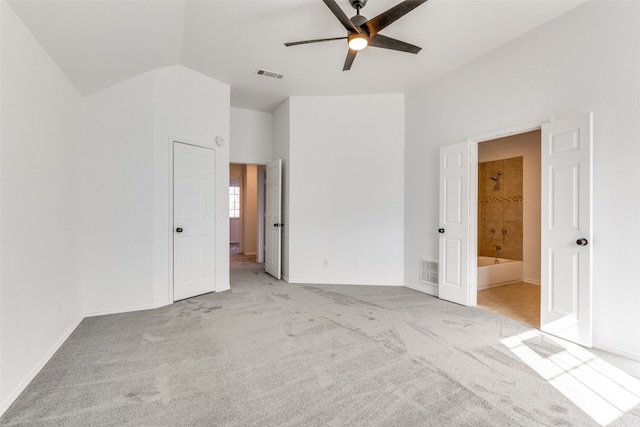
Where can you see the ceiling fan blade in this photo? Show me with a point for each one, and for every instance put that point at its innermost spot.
(342, 17)
(388, 43)
(351, 55)
(313, 41)
(374, 25)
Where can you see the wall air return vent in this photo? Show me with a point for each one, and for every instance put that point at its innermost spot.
(266, 73)
(429, 272)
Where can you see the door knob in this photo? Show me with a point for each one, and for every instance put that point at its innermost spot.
(178, 230)
(441, 230)
(582, 242)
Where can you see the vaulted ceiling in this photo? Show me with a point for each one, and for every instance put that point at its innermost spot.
(98, 43)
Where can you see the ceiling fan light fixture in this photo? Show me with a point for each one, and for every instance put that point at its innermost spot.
(358, 41)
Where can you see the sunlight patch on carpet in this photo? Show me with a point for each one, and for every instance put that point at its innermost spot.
(601, 390)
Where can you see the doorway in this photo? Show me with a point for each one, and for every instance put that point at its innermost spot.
(508, 274)
(565, 225)
(246, 213)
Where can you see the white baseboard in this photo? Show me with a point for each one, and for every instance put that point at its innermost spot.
(616, 351)
(531, 281)
(423, 287)
(226, 288)
(341, 282)
(496, 285)
(285, 278)
(126, 309)
(36, 370)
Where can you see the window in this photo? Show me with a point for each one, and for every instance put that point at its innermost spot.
(234, 198)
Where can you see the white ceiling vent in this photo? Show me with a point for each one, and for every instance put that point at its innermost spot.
(271, 74)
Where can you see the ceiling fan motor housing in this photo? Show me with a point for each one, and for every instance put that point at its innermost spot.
(358, 20)
(357, 4)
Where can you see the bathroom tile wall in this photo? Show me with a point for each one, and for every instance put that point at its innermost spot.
(500, 208)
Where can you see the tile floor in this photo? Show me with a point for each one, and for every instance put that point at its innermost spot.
(520, 301)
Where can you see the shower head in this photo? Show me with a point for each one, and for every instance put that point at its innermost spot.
(496, 176)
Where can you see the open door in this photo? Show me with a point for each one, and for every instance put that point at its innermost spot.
(273, 219)
(194, 242)
(566, 306)
(454, 244)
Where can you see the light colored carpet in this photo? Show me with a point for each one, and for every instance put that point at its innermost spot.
(268, 353)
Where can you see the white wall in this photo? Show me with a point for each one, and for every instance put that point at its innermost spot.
(40, 264)
(281, 150)
(586, 60)
(193, 108)
(117, 197)
(251, 139)
(527, 146)
(346, 197)
(128, 162)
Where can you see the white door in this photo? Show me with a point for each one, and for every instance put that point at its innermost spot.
(194, 221)
(566, 229)
(273, 219)
(454, 261)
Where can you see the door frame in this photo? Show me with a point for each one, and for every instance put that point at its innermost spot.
(262, 182)
(473, 195)
(260, 206)
(172, 142)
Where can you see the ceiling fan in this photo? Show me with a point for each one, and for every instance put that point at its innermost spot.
(362, 32)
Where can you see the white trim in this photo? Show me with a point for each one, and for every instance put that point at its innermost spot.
(248, 162)
(497, 285)
(171, 144)
(341, 282)
(531, 281)
(510, 131)
(172, 141)
(616, 351)
(36, 370)
(127, 309)
(472, 269)
(262, 181)
(473, 187)
(424, 288)
(217, 291)
(285, 278)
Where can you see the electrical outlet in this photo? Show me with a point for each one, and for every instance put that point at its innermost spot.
(325, 263)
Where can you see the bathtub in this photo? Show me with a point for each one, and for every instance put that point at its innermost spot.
(494, 272)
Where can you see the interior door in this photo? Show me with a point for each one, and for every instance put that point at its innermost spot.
(454, 283)
(194, 221)
(273, 219)
(566, 307)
